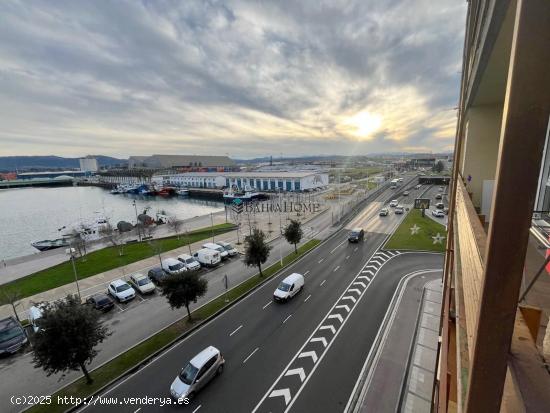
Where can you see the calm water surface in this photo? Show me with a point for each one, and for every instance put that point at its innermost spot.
(33, 214)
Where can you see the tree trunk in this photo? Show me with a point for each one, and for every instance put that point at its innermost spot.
(89, 379)
(260, 268)
(188, 312)
(295, 249)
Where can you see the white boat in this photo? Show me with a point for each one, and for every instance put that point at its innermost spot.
(89, 230)
(183, 192)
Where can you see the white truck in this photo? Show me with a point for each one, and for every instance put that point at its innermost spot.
(207, 257)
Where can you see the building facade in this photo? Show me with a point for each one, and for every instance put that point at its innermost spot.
(183, 163)
(88, 164)
(259, 181)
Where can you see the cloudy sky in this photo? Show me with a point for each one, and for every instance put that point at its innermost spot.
(244, 78)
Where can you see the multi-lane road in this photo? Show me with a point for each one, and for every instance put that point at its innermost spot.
(304, 355)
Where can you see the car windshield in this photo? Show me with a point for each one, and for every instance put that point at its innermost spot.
(354, 234)
(187, 375)
(176, 267)
(103, 301)
(284, 286)
(10, 332)
(144, 281)
(228, 247)
(189, 260)
(122, 287)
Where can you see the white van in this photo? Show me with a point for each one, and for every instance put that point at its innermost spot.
(207, 257)
(173, 266)
(190, 263)
(215, 247)
(289, 287)
(231, 250)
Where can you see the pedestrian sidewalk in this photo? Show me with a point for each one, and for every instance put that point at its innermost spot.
(402, 368)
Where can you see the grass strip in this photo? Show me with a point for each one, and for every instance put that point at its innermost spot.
(422, 240)
(106, 373)
(103, 260)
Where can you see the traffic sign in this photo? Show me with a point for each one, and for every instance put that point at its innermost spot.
(422, 203)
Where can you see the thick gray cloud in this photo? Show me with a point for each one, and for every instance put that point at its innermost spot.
(243, 78)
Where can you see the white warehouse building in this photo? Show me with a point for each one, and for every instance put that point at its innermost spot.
(259, 181)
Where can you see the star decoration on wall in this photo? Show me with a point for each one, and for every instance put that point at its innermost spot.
(438, 239)
(414, 229)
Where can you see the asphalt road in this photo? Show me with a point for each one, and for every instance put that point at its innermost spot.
(262, 341)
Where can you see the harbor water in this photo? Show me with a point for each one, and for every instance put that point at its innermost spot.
(33, 214)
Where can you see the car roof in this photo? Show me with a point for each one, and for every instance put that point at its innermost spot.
(118, 282)
(170, 261)
(210, 244)
(292, 277)
(157, 269)
(138, 276)
(222, 243)
(184, 256)
(357, 229)
(8, 322)
(205, 355)
(100, 296)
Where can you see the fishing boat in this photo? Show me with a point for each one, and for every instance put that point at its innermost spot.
(50, 244)
(182, 192)
(245, 196)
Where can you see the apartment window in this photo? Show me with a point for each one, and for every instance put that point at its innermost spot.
(296, 185)
(288, 185)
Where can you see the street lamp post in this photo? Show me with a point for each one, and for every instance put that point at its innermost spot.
(137, 220)
(71, 252)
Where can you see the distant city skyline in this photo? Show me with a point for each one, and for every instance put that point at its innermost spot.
(229, 78)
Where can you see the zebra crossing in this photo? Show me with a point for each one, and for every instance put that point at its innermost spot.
(289, 384)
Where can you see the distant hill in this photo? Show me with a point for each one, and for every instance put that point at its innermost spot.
(25, 163)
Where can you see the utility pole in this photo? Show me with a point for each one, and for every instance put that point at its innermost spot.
(71, 251)
(212, 226)
(137, 220)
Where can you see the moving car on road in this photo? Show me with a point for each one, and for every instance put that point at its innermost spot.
(356, 235)
(190, 263)
(438, 196)
(142, 283)
(199, 371)
(399, 210)
(440, 205)
(384, 212)
(417, 186)
(157, 274)
(12, 336)
(406, 193)
(121, 291)
(438, 213)
(394, 203)
(173, 266)
(231, 250)
(289, 287)
(101, 302)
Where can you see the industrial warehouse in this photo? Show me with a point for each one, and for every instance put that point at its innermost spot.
(260, 181)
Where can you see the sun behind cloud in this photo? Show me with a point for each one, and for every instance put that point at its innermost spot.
(365, 124)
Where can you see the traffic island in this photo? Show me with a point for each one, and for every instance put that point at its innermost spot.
(132, 359)
(418, 233)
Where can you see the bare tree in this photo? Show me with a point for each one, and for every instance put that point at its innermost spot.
(115, 238)
(78, 242)
(175, 224)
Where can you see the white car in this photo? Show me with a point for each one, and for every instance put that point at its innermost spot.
(142, 283)
(215, 247)
(394, 203)
(437, 213)
(190, 263)
(121, 291)
(173, 266)
(231, 250)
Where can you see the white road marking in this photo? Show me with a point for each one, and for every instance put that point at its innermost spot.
(234, 331)
(285, 320)
(365, 277)
(338, 316)
(138, 409)
(251, 354)
(311, 354)
(338, 246)
(356, 248)
(354, 290)
(320, 285)
(307, 272)
(336, 269)
(319, 339)
(282, 392)
(307, 298)
(349, 297)
(360, 283)
(347, 258)
(320, 261)
(263, 308)
(299, 371)
(200, 405)
(343, 306)
(331, 328)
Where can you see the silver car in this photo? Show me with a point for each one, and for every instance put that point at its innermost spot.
(199, 371)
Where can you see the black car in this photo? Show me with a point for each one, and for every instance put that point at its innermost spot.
(438, 196)
(157, 275)
(356, 235)
(101, 302)
(12, 336)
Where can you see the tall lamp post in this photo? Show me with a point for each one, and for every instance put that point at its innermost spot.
(71, 252)
(137, 220)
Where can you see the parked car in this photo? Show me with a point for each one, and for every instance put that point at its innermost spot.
(207, 257)
(231, 250)
(289, 287)
(394, 203)
(142, 283)
(384, 212)
(215, 247)
(157, 275)
(406, 193)
(438, 196)
(399, 210)
(12, 336)
(173, 266)
(121, 291)
(101, 302)
(190, 263)
(438, 213)
(197, 373)
(440, 205)
(356, 235)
